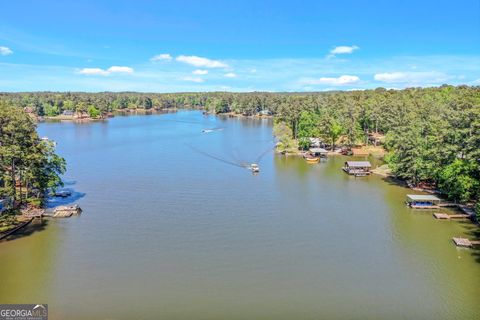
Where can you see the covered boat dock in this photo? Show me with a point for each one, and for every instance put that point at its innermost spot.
(423, 201)
(319, 152)
(357, 168)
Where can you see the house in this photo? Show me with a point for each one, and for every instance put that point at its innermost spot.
(423, 201)
(265, 112)
(29, 109)
(5, 204)
(357, 168)
(316, 143)
(68, 113)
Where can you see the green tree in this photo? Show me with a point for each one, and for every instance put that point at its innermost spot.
(335, 130)
(93, 112)
(457, 182)
(25, 160)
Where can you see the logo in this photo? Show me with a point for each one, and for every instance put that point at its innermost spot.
(23, 312)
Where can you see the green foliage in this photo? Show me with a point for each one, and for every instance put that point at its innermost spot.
(7, 221)
(93, 112)
(304, 143)
(308, 125)
(50, 110)
(26, 160)
(284, 135)
(334, 131)
(457, 182)
(147, 103)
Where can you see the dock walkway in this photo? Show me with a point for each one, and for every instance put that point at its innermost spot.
(464, 242)
(445, 216)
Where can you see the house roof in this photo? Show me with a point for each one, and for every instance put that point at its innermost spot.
(358, 164)
(422, 197)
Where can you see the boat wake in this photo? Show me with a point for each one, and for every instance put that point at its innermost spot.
(212, 156)
(253, 166)
(207, 130)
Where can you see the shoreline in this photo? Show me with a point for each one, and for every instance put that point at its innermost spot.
(22, 222)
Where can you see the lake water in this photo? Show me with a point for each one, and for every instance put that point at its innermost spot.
(173, 228)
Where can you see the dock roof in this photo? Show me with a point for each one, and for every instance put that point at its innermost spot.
(318, 150)
(422, 197)
(359, 164)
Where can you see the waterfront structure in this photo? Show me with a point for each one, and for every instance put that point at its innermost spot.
(357, 168)
(319, 152)
(423, 201)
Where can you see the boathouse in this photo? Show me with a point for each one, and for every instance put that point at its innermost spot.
(319, 152)
(423, 201)
(357, 168)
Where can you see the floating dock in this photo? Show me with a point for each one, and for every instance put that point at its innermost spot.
(445, 216)
(66, 211)
(464, 242)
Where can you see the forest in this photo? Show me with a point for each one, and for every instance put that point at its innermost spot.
(29, 166)
(432, 135)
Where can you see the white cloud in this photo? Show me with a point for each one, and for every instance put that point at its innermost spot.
(93, 71)
(253, 70)
(411, 77)
(102, 72)
(201, 62)
(118, 69)
(160, 57)
(342, 50)
(342, 80)
(200, 72)
(193, 79)
(5, 51)
(230, 75)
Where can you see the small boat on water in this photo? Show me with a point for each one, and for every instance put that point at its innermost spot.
(310, 158)
(207, 130)
(63, 194)
(254, 168)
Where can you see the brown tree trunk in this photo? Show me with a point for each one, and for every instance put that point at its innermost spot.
(21, 193)
(14, 187)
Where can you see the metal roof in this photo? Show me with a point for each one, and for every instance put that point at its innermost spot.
(318, 150)
(422, 197)
(358, 164)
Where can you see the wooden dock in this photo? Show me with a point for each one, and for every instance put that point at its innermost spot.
(464, 242)
(448, 204)
(445, 216)
(413, 206)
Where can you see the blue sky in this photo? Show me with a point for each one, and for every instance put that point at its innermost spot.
(172, 46)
